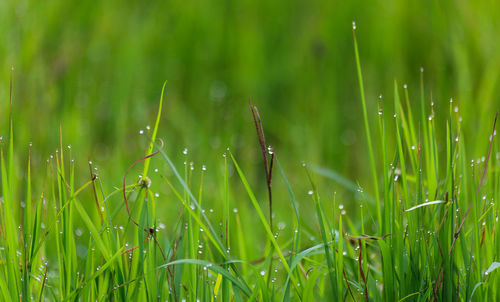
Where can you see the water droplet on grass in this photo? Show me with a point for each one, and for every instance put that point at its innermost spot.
(353, 25)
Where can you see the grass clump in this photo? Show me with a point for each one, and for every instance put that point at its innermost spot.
(427, 232)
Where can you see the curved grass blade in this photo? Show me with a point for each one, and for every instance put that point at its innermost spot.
(215, 268)
(424, 204)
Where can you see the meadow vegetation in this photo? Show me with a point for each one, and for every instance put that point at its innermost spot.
(317, 189)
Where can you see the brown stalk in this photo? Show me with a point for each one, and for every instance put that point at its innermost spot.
(93, 178)
(268, 163)
(362, 273)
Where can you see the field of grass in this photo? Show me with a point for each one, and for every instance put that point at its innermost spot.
(116, 185)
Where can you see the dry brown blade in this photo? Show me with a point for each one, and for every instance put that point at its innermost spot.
(43, 283)
(362, 273)
(348, 287)
(93, 177)
(260, 135)
(267, 165)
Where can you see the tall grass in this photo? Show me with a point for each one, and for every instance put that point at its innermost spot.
(428, 231)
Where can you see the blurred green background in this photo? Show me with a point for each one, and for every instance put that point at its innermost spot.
(96, 68)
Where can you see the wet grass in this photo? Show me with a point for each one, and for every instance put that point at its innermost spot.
(427, 231)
